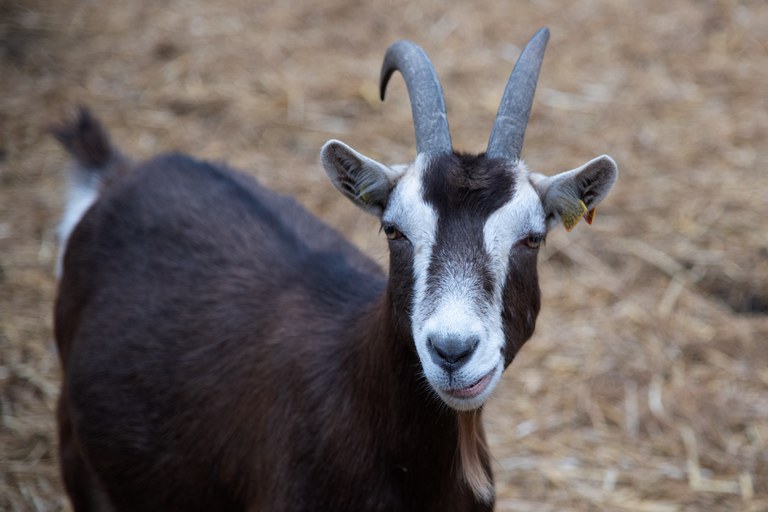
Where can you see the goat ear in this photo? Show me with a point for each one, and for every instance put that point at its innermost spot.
(571, 195)
(366, 182)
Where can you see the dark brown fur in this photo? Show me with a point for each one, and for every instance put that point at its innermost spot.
(225, 350)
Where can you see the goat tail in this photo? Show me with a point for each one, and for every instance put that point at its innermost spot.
(95, 160)
(473, 452)
(84, 137)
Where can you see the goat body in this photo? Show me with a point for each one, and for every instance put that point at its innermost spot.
(172, 400)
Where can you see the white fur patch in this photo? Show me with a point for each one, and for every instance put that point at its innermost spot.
(522, 215)
(82, 193)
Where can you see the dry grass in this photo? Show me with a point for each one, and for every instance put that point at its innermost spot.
(646, 385)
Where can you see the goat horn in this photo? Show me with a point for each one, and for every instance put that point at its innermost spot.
(427, 103)
(508, 131)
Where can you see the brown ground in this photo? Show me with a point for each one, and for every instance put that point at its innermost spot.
(646, 385)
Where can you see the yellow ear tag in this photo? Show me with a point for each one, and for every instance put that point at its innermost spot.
(573, 215)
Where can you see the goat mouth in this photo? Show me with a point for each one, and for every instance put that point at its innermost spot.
(473, 390)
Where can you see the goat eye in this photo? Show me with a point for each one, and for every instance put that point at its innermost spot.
(534, 240)
(392, 232)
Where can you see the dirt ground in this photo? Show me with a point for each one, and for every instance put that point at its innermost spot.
(645, 387)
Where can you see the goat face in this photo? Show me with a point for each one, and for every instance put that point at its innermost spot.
(464, 231)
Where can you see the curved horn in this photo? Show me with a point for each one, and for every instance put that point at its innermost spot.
(509, 128)
(427, 103)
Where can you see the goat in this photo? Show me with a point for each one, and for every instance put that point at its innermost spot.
(223, 349)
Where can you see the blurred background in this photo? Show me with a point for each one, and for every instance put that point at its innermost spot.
(645, 386)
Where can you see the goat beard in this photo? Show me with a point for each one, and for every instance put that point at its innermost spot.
(473, 455)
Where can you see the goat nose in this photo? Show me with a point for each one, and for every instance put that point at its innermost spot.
(451, 352)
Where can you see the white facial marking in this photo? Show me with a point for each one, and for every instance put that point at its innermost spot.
(522, 215)
(414, 217)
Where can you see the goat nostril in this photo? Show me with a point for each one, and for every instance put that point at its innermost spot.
(451, 350)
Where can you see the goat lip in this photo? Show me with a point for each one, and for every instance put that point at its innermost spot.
(473, 390)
